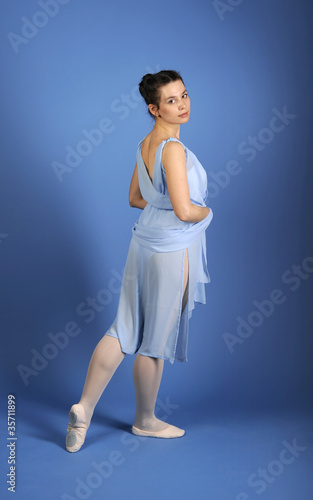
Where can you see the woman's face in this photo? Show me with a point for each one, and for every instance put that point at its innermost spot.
(174, 104)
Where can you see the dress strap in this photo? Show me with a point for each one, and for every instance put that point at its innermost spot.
(173, 139)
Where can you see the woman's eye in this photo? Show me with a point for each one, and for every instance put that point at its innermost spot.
(173, 100)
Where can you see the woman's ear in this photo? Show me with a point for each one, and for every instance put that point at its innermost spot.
(153, 109)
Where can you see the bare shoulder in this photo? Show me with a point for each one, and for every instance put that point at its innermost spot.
(173, 152)
(146, 140)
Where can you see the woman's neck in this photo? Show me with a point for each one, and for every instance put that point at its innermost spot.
(163, 128)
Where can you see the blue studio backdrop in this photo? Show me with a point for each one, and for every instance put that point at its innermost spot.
(71, 119)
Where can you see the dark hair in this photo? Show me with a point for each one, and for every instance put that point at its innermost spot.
(152, 82)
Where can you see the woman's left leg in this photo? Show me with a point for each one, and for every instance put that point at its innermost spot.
(106, 357)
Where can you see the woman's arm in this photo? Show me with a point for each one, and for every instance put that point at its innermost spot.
(174, 162)
(135, 198)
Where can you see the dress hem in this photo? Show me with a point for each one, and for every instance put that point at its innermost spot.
(131, 352)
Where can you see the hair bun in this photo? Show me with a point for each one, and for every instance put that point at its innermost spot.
(147, 77)
(146, 84)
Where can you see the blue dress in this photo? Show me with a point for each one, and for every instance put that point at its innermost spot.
(150, 319)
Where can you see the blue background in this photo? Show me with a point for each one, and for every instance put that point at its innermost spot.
(65, 230)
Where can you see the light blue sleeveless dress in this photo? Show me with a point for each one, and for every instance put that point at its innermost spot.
(150, 320)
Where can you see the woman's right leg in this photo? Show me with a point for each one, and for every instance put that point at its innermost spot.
(106, 357)
(147, 374)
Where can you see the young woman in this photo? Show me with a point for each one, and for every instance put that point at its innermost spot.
(165, 270)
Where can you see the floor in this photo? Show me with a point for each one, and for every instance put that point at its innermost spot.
(225, 455)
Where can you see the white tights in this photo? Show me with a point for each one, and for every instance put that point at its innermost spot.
(106, 358)
(147, 374)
